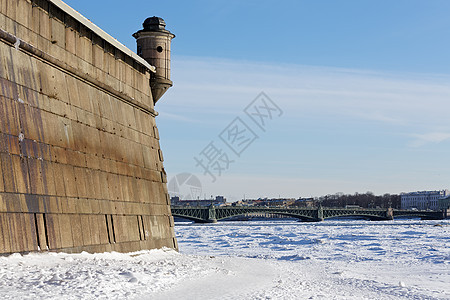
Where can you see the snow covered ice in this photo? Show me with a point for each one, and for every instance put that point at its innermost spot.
(407, 259)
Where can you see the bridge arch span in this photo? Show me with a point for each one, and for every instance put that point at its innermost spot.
(363, 216)
(190, 218)
(296, 216)
(422, 216)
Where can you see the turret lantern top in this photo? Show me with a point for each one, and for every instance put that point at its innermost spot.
(154, 24)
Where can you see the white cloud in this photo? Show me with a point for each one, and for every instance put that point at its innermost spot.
(427, 138)
(179, 117)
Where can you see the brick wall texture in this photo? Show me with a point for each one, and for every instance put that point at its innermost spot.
(80, 162)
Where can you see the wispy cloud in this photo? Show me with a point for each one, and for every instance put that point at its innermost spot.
(384, 97)
(382, 117)
(178, 117)
(427, 138)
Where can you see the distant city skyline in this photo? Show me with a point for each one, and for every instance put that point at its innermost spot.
(363, 89)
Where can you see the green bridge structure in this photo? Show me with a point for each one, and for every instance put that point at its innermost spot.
(212, 214)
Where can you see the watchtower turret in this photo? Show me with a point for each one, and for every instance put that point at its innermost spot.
(153, 45)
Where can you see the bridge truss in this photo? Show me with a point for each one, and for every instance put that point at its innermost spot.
(212, 214)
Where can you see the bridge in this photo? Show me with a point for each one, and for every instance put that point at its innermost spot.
(212, 214)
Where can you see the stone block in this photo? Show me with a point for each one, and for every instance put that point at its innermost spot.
(86, 229)
(131, 187)
(69, 181)
(25, 9)
(5, 235)
(124, 188)
(95, 206)
(112, 166)
(104, 186)
(11, 8)
(80, 181)
(65, 230)
(2, 185)
(20, 167)
(29, 232)
(3, 203)
(44, 25)
(58, 175)
(106, 206)
(36, 176)
(77, 158)
(83, 205)
(77, 230)
(118, 207)
(119, 228)
(9, 25)
(103, 231)
(53, 205)
(97, 57)
(58, 31)
(90, 188)
(83, 92)
(60, 155)
(8, 173)
(3, 7)
(97, 186)
(11, 115)
(71, 38)
(68, 205)
(15, 224)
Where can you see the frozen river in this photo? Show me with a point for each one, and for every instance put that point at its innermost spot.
(407, 259)
(252, 260)
(347, 241)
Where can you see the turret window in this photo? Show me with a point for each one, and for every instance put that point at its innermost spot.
(159, 49)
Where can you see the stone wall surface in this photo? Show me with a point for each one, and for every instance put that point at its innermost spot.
(80, 162)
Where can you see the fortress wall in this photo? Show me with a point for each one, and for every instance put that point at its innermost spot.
(80, 162)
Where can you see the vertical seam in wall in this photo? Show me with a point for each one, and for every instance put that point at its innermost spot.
(139, 228)
(143, 228)
(174, 241)
(45, 229)
(112, 229)
(107, 229)
(37, 231)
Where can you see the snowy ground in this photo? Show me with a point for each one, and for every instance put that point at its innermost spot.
(252, 260)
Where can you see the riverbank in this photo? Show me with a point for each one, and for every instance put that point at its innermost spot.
(251, 260)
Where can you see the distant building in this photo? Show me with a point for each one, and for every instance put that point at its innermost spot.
(423, 200)
(219, 201)
(304, 202)
(444, 203)
(283, 202)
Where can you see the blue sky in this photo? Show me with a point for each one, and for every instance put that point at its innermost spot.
(363, 87)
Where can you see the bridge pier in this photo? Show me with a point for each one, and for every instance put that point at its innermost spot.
(390, 214)
(211, 215)
(320, 214)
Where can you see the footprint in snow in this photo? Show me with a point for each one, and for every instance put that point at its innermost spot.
(130, 276)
